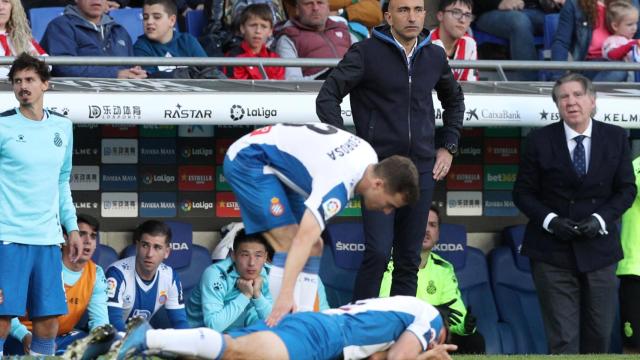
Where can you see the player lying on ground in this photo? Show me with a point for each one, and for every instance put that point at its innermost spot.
(399, 327)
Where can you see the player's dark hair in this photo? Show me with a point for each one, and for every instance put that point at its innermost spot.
(153, 228)
(435, 210)
(444, 4)
(25, 61)
(243, 238)
(260, 11)
(400, 176)
(89, 220)
(169, 5)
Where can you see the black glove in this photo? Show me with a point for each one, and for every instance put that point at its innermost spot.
(469, 322)
(589, 227)
(454, 316)
(564, 229)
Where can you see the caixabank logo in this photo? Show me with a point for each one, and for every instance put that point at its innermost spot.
(196, 204)
(158, 178)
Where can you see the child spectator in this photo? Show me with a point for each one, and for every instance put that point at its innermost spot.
(160, 39)
(622, 22)
(455, 17)
(15, 34)
(256, 27)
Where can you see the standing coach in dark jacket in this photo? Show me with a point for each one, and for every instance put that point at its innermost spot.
(390, 78)
(575, 181)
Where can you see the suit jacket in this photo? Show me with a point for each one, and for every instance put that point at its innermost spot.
(547, 182)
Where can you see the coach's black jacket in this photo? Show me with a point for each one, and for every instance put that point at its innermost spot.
(391, 106)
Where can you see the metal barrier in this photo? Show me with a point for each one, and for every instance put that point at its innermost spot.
(497, 65)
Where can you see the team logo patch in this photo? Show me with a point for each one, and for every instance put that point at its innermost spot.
(162, 299)
(111, 287)
(21, 139)
(276, 207)
(331, 207)
(57, 141)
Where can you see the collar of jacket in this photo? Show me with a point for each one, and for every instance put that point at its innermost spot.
(72, 10)
(383, 33)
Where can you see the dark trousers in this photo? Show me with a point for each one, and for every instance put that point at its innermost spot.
(578, 309)
(403, 230)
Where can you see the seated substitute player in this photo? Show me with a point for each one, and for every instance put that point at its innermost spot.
(142, 284)
(438, 285)
(399, 327)
(85, 290)
(234, 292)
(289, 179)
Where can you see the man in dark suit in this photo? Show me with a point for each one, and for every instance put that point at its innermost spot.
(575, 181)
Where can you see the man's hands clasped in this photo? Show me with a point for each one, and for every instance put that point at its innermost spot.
(567, 230)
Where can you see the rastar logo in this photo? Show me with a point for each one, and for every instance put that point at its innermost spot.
(179, 112)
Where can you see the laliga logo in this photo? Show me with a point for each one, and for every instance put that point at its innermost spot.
(186, 205)
(237, 112)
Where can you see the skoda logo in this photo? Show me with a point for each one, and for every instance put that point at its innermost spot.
(237, 112)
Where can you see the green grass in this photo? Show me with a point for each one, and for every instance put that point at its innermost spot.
(546, 357)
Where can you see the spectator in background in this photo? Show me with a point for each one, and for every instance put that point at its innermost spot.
(365, 12)
(629, 273)
(517, 20)
(455, 17)
(256, 27)
(311, 34)
(160, 39)
(85, 30)
(183, 6)
(622, 23)
(85, 289)
(581, 32)
(574, 182)
(15, 34)
(233, 293)
(438, 285)
(142, 284)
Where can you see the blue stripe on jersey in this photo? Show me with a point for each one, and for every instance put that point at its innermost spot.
(287, 165)
(145, 303)
(374, 327)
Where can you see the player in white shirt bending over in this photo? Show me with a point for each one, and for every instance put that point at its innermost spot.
(142, 284)
(289, 179)
(398, 327)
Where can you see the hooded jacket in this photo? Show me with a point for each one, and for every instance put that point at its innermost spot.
(73, 35)
(391, 101)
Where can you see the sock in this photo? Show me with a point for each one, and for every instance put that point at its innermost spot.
(277, 273)
(40, 346)
(201, 342)
(1, 346)
(307, 285)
